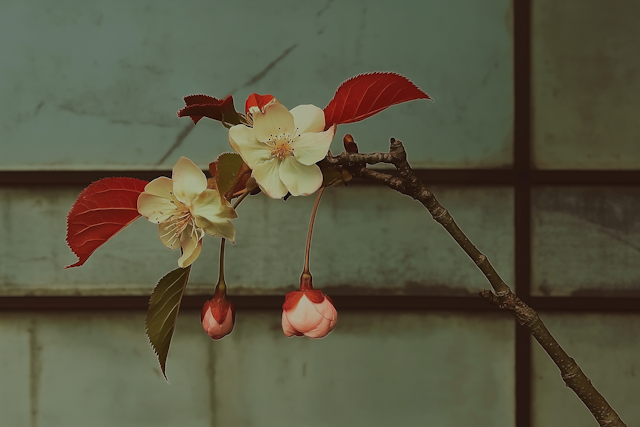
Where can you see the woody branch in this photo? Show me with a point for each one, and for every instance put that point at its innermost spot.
(502, 296)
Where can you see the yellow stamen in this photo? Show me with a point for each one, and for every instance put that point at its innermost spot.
(281, 145)
(179, 221)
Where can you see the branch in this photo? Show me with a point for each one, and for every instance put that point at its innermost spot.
(407, 183)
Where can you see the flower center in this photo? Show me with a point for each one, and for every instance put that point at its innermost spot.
(179, 221)
(281, 145)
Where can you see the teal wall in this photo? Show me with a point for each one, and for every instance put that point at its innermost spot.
(96, 85)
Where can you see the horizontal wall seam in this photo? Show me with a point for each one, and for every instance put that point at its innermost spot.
(471, 177)
(342, 302)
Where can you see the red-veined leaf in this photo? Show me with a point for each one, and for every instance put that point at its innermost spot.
(199, 106)
(102, 210)
(367, 94)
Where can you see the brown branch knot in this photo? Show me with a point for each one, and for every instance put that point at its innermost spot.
(509, 301)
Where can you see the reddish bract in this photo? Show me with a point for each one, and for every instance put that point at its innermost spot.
(102, 210)
(199, 106)
(367, 94)
(255, 100)
(292, 298)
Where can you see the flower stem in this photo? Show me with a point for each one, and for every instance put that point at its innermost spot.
(231, 192)
(221, 286)
(313, 217)
(244, 195)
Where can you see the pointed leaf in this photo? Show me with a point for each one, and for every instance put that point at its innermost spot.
(227, 169)
(163, 312)
(367, 94)
(199, 106)
(100, 212)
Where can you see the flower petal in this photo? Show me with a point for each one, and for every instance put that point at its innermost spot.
(243, 141)
(161, 187)
(329, 321)
(287, 328)
(275, 120)
(186, 261)
(209, 323)
(304, 317)
(191, 242)
(188, 181)
(308, 118)
(328, 311)
(298, 178)
(210, 205)
(310, 148)
(267, 176)
(217, 229)
(156, 209)
(167, 237)
(218, 330)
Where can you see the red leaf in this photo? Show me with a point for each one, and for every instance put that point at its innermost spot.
(255, 100)
(367, 94)
(102, 210)
(199, 106)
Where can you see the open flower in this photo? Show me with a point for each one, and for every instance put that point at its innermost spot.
(309, 312)
(283, 147)
(186, 209)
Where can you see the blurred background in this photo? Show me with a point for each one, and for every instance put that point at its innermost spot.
(531, 143)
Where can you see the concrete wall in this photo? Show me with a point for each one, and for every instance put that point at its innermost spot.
(96, 86)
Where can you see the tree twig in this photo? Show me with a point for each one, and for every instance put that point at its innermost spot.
(407, 183)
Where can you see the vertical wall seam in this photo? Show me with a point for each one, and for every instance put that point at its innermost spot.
(35, 371)
(522, 214)
(211, 373)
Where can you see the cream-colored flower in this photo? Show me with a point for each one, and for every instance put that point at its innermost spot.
(283, 146)
(186, 209)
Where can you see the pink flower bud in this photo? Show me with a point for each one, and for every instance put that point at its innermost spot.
(310, 313)
(218, 317)
(257, 102)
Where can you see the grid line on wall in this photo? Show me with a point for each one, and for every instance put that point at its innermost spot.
(466, 177)
(522, 178)
(522, 202)
(342, 302)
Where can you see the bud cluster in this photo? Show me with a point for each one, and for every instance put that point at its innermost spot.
(306, 312)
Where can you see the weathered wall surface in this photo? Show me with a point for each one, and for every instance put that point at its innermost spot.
(96, 86)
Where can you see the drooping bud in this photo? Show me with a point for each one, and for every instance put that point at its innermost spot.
(308, 312)
(218, 317)
(255, 103)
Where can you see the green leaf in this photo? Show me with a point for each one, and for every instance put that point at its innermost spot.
(163, 312)
(226, 169)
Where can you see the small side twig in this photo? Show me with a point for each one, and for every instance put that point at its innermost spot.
(502, 296)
